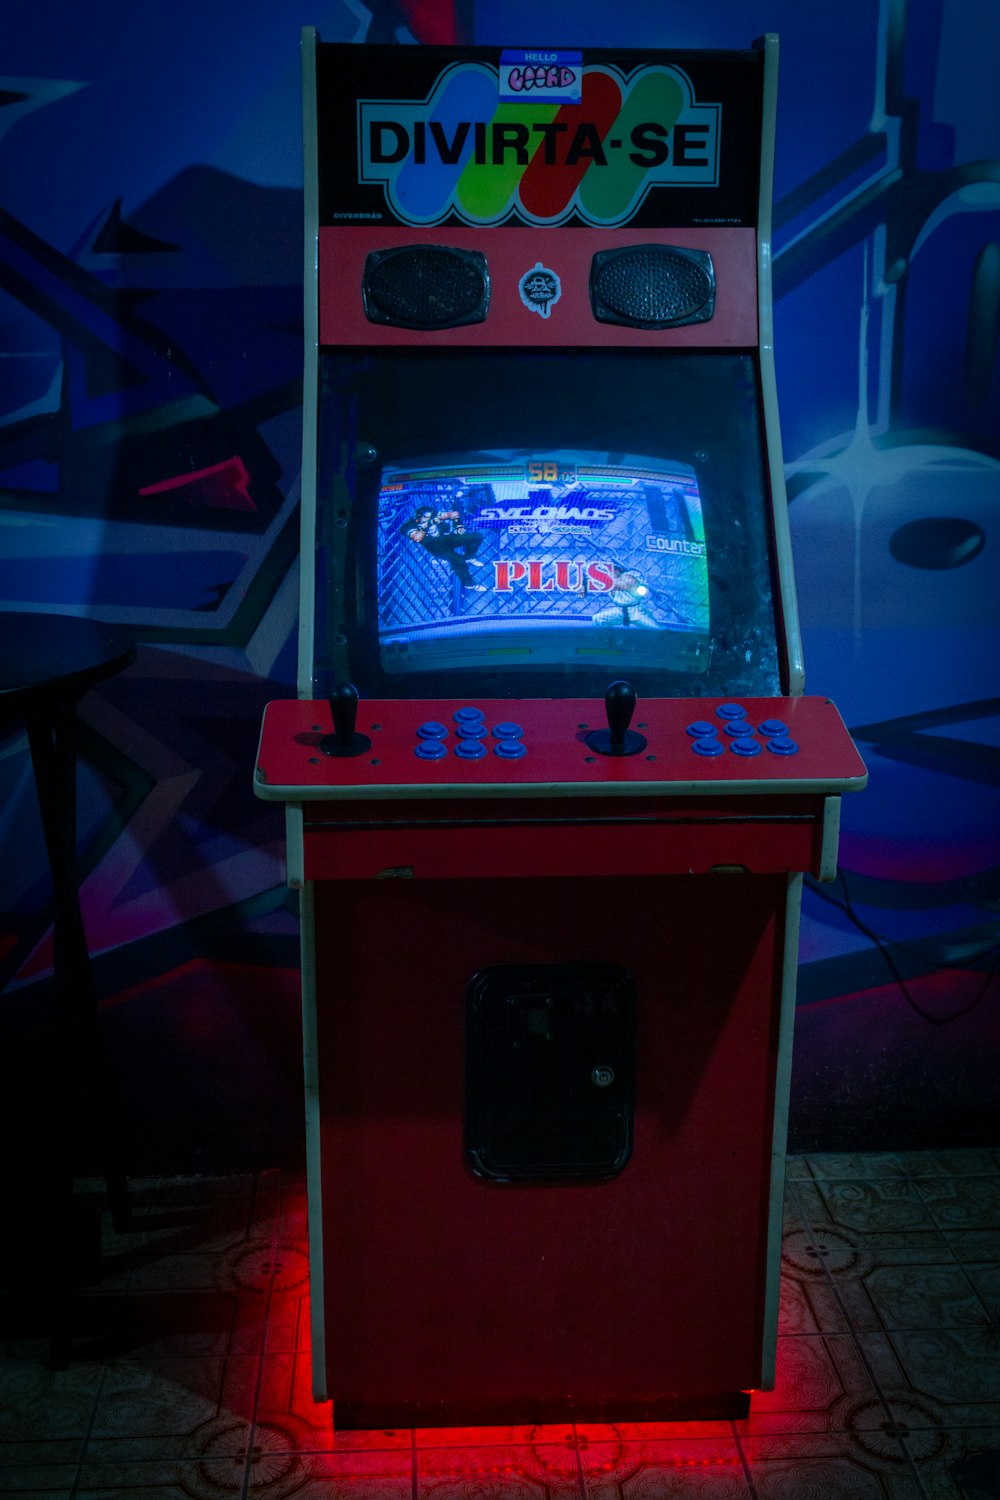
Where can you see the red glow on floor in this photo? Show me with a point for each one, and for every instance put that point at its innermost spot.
(221, 1269)
(547, 1454)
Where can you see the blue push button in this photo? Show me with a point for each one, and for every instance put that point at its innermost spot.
(745, 746)
(782, 745)
(708, 746)
(471, 731)
(730, 711)
(431, 750)
(701, 729)
(470, 749)
(507, 731)
(509, 749)
(468, 716)
(430, 729)
(738, 728)
(772, 727)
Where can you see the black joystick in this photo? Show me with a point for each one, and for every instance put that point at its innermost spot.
(344, 740)
(618, 738)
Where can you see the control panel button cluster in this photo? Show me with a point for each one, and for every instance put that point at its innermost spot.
(473, 737)
(741, 737)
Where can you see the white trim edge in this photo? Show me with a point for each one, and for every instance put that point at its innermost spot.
(779, 1139)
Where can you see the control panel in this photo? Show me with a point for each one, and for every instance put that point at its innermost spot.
(373, 749)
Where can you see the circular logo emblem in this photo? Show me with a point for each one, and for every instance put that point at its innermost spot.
(540, 289)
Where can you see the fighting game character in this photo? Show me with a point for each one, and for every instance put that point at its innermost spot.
(442, 534)
(629, 600)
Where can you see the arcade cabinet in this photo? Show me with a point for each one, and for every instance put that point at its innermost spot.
(550, 779)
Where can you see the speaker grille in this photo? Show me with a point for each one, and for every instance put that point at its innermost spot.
(652, 286)
(426, 286)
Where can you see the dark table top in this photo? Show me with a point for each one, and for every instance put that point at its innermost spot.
(55, 656)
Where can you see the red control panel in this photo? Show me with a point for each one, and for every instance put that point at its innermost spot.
(546, 747)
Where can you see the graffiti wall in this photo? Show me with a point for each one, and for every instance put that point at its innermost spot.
(150, 385)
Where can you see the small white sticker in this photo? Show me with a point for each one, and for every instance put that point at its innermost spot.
(540, 289)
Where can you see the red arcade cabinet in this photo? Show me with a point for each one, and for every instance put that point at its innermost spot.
(551, 786)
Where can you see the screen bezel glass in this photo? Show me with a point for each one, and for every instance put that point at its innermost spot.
(393, 408)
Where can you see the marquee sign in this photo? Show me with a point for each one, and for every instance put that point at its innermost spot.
(466, 152)
(537, 140)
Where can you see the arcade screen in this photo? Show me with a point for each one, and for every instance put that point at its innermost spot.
(553, 558)
(535, 523)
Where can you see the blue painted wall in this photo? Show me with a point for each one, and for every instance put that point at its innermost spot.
(150, 365)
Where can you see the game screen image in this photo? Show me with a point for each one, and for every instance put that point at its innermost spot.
(546, 557)
(537, 523)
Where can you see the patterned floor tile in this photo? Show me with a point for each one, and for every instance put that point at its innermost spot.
(886, 1286)
(888, 1368)
(239, 1453)
(914, 1297)
(237, 1286)
(808, 1307)
(552, 1434)
(45, 1415)
(820, 1381)
(963, 1202)
(288, 1309)
(169, 1408)
(957, 1464)
(346, 1475)
(285, 1405)
(871, 1165)
(886, 1206)
(867, 1465)
(791, 1211)
(872, 1270)
(288, 1327)
(165, 1479)
(293, 1224)
(808, 1302)
(953, 1374)
(38, 1481)
(974, 1246)
(705, 1468)
(590, 1433)
(156, 1325)
(986, 1280)
(508, 1471)
(247, 1267)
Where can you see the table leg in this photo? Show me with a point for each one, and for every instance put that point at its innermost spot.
(81, 1064)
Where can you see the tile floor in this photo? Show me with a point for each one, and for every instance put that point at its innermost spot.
(191, 1377)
